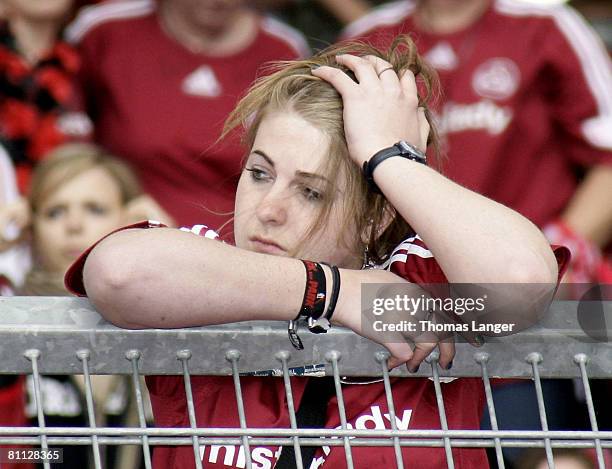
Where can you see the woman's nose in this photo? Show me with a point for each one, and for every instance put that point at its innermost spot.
(273, 208)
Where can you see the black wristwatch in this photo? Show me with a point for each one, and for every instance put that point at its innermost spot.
(401, 148)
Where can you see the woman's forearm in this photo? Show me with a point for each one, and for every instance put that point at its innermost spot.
(168, 278)
(474, 239)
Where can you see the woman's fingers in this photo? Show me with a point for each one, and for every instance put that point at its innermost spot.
(385, 71)
(421, 352)
(409, 87)
(400, 353)
(423, 128)
(447, 352)
(337, 78)
(362, 68)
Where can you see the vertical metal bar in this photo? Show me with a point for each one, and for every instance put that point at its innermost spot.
(433, 361)
(581, 360)
(233, 356)
(84, 356)
(134, 356)
(381, 357)
(333, 356)
(535, 358)
(33, 355)
(184, 356)
(283, 356)
(482, 358)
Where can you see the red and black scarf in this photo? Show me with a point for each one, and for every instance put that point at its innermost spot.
(32, 100)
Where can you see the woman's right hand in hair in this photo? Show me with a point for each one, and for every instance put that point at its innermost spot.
(381, 109)
(14, 219)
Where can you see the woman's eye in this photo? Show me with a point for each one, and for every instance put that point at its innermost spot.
(312, 194)
(258, 174)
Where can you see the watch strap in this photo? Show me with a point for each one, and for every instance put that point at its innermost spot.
(401, 148)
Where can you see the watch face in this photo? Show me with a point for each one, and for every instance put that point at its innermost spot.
(405, 146)
(411, 151)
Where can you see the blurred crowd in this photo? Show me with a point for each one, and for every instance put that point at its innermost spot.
(111, 111)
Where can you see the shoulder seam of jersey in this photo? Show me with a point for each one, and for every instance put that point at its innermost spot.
(94, 15)
(287, 33)
(587, 46)
(388, 14)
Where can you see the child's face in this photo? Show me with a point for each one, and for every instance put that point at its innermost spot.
(74, 217)
(280, 194)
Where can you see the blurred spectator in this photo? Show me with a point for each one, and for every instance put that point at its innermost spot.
(535, 458)
(13, 263)
(160, 78)
(38, 103)
(79, 194)
(321, 20)
(14, 217)
(599, 15)
(523, 120)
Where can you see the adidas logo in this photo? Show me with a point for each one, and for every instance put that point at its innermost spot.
(202, 82)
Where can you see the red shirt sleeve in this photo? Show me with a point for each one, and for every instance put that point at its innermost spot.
(74, 276)
(413, 261)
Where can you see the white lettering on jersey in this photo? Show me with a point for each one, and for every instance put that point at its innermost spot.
(497, 78)
(482, 115)
(264, 458)
(202, 82)
(375, 418)
(442, 57)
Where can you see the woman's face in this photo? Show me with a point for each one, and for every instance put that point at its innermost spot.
(280, 194)
(74, 217)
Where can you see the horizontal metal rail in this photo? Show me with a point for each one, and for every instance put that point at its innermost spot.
(41, 335)
(59, 327)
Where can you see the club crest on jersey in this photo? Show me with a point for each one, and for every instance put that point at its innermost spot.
(497, 78)
(202, 82)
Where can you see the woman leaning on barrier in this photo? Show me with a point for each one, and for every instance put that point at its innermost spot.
(312, 128)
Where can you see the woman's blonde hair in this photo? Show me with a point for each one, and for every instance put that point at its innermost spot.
(290, 86)
(68, 161)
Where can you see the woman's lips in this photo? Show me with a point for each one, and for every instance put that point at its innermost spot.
(266, 246)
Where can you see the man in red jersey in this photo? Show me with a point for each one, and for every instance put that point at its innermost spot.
(160, 78)
(526, 108)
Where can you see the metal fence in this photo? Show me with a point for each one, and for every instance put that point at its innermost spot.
(41, 335)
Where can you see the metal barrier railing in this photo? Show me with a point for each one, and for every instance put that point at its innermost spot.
(42, 335)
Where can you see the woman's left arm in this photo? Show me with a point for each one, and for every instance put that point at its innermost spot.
(474, 239)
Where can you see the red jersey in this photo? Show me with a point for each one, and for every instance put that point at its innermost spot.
(527, 99)
(366, 405)
(161, 107)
